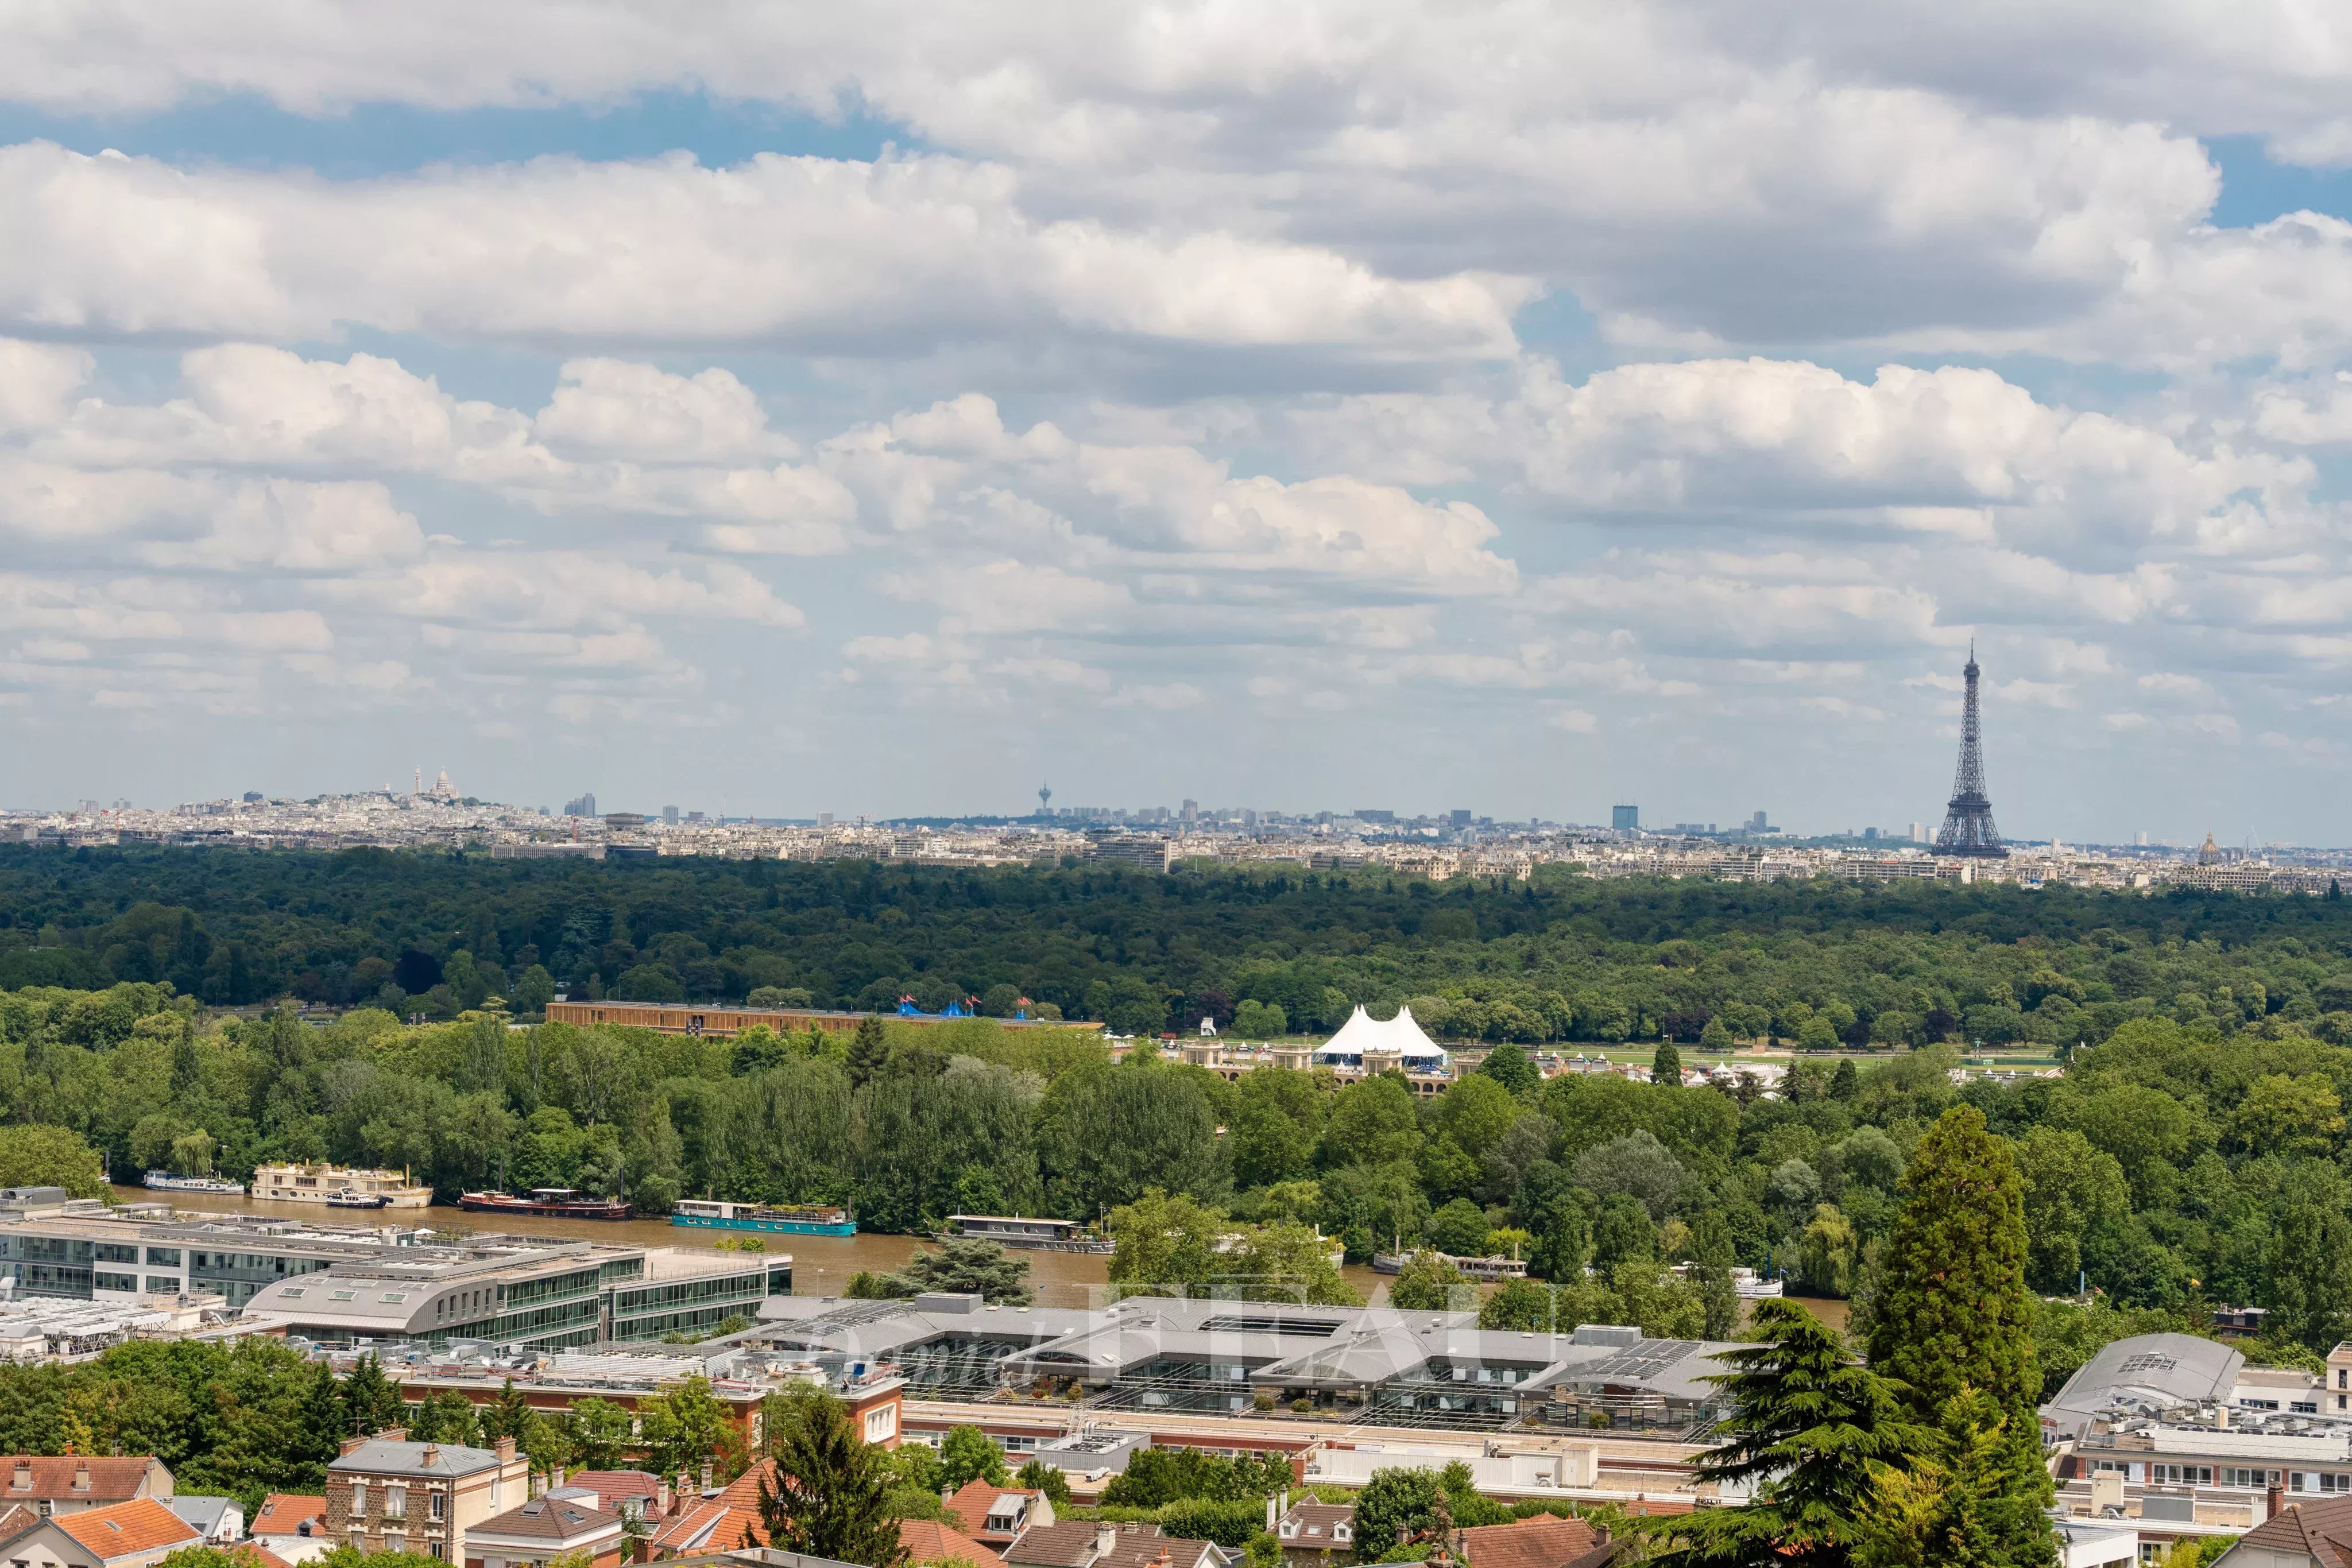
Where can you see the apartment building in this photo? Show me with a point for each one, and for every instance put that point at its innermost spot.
(387, 1494)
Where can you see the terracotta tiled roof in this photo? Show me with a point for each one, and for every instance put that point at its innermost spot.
(285, 1510)
(2321, 1532)
(970, 1504)
(703, 1525)
(549, 1518)
(1545, 1540)
(41, 1476)
(928, 1540)
(743, 1491)
(16, 1517)
(254, 1556)
(122, 1529)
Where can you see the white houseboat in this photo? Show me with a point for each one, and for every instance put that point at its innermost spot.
(339, 1187)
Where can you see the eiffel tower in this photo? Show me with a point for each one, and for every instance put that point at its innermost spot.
(1967, 822)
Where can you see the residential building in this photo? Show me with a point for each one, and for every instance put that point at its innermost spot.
(1085, 1543)
(1144, 851)
(1313, 1533)
(1545, 1540)
(566, 1523)
(293, 1526)
(631, 1494)
(2315, 1534)
(73, 1484)
(130, 1534)
(997, 1516)
(220, 1520)
(387, 1494)
(927, 1541)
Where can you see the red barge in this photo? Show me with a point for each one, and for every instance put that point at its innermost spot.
(556, 1202)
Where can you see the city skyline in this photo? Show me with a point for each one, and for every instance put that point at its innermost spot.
(1407, 401)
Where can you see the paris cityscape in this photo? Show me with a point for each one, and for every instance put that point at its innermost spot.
(1147, 784)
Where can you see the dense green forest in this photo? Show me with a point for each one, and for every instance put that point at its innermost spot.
(1559, 958)
(2194, 1151)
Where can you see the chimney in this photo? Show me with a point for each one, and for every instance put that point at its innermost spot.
(349, 1444)
(505, 1450)
(685, 1485)
(2275, 1502)
(432, 1455)
(555, 1477)
(82, 1477)
(661, 1498)
(394, 1434)
(1106, 1537)
(706, 1475)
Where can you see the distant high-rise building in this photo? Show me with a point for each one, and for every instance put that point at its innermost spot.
(1625, 818)
(2141, 840)
(1461, 817)
(585, 806)
(252, 798)
(1967, 823)
(1367, 814)
(1758, 823)
(824, 818)
(1044, 800)
(1918, 832)
(1191, 812)
(670, 816)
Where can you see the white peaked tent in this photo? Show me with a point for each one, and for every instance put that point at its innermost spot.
(1363, 1033)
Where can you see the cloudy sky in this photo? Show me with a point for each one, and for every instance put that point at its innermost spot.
(886, 408)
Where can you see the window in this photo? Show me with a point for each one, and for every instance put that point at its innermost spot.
(2302, 1407)
(433, 1507)
(344, 1296)
(115, 1253)
(395, 1502)
(293, 1291)
(163, 1284)
(106, 1282)
(394, 1297)
(163, 1257)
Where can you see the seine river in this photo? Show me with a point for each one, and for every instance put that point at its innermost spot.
(822, 1265)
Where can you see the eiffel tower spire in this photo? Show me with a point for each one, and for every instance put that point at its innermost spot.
(1967, 822)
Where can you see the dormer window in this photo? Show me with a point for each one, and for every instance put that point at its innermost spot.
(81, 1478)
(23, 1479)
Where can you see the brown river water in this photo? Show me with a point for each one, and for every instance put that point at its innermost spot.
(822, 1265)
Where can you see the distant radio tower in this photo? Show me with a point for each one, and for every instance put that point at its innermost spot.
(1044, 800)
(1967, 823)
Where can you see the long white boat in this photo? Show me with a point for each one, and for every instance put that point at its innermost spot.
(164, 1181)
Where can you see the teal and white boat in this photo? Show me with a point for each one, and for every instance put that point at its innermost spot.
(802, 1219)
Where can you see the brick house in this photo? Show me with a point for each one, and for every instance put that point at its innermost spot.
(387, 1494)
